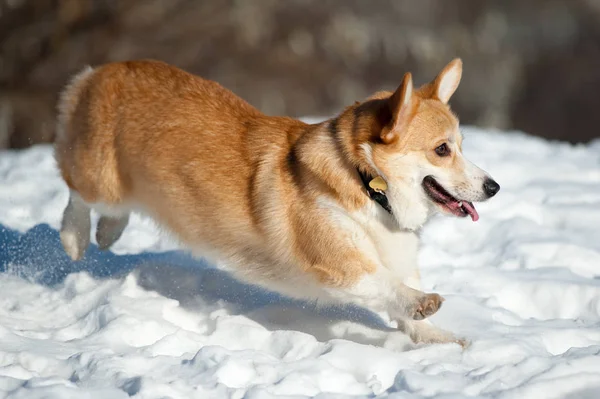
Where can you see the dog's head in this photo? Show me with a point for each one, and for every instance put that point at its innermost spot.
(413, 142)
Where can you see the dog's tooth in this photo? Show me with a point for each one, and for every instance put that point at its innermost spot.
(460, 204)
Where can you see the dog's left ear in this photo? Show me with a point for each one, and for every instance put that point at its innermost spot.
(446, 83)
(400, 104)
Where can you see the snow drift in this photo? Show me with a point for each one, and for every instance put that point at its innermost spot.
(147, 321)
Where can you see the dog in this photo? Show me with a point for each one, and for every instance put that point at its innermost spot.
(328, 212)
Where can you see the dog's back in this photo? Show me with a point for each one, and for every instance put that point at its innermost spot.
(147, 135)
(135, 112)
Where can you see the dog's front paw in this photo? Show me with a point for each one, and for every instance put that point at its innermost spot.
(428, 305)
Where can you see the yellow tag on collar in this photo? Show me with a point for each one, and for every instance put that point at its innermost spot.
(378, 184)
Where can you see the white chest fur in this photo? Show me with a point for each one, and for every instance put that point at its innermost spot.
(378, 238)
(396, 248)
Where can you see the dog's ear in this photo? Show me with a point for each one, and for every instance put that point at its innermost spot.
(400, 104)
(446, 83)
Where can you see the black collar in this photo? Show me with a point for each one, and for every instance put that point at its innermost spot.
(375, 195)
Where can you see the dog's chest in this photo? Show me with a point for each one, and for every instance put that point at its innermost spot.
(397, 249)
(380, 239)
(376, 238)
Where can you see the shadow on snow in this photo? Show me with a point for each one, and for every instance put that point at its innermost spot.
(38, 256)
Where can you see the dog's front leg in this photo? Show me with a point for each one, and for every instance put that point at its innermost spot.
(423, 331)
(349, 275)
(383, 291)
(380, 291)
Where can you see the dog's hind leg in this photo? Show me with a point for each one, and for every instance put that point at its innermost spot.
(423, 332)
(110, 229)
(75, 228)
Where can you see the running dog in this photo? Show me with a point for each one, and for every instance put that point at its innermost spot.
(328, 211)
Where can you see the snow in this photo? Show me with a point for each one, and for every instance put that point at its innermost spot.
(147, 321)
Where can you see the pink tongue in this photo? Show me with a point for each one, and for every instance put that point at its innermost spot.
(471, 210)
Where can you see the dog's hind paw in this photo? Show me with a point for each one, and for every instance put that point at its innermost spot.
(110, 230)
(428, 305)
(74, 244)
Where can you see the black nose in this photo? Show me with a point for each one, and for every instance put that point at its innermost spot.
(490, 187)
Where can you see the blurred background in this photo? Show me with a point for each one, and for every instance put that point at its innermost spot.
(531, 65)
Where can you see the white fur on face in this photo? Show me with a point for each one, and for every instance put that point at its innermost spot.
(404, 175)
(464, 182)
(410, 205)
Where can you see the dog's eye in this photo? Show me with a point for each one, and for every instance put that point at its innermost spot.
(442, 150)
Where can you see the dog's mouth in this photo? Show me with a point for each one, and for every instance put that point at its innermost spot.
(447, 202)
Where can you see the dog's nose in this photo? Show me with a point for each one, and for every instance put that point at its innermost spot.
(490, 187)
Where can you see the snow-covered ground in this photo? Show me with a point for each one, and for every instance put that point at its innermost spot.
(149, 322)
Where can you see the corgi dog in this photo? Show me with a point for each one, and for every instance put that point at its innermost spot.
(328, 212)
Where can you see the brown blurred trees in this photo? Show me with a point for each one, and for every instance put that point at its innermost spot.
(531, 65)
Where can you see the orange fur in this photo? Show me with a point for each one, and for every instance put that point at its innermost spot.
(205, 163)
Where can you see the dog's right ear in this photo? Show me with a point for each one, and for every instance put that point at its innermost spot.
(401, 107)
(446, 83)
